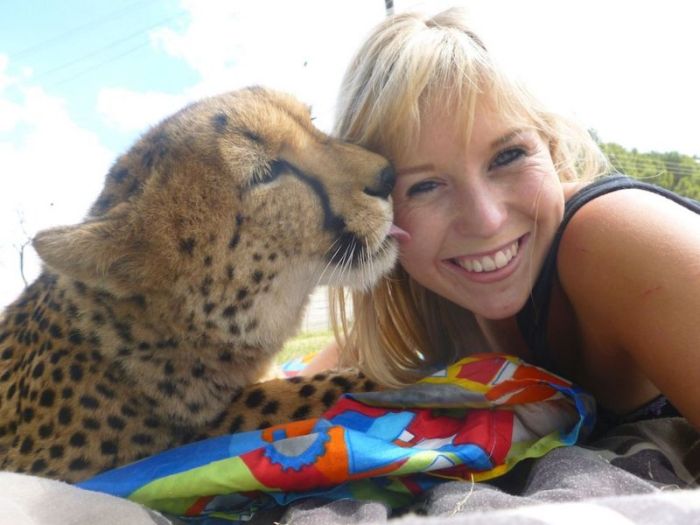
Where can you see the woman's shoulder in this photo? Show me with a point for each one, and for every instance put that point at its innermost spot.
(626, 255)
(618, 210)
(620, 232)
(609, 191)
(628, 264)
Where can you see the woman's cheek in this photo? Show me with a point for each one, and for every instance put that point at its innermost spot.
(411, 222)
(416, 249)
(410, 257)
(552, 193)
(400, 215)
(402, 220)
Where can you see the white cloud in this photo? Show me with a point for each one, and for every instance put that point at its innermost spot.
(11, 115)
(51, 171)
(301, 47)
(129, 110)
(283, 45)
(211, 41)
(626, 68)
(10, 112)
(5, 79)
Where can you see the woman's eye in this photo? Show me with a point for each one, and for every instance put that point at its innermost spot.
(421, 187)
(507, 156)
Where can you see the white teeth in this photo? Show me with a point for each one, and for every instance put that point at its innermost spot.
(502, 259)
(488, 263)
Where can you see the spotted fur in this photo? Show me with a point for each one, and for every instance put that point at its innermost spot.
(155, 318)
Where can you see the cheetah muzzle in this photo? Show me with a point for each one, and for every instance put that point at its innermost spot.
(154, 318)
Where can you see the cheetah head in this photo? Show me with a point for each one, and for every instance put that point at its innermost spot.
(233, 210)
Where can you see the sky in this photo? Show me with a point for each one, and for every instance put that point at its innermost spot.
(80, 80)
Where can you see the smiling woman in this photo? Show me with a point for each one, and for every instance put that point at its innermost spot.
(71, 89)
(516, 241)
(485, 191)
(512, 241)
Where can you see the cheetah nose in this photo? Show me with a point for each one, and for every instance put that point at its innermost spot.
(384, 184)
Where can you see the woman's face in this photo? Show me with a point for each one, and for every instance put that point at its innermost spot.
(481, 216)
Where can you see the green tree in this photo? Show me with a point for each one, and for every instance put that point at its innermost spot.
(675, 171)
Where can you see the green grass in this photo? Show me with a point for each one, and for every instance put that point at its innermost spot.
(305, 343)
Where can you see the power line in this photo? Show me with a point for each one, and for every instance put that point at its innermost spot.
(100, 64)
(626, 151)
(627, 162)
(654, 163)
(112, 44)
(680, 170)
(644, 157)
(655, 173)
(92, 24)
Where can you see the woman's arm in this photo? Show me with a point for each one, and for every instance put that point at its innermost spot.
(324, 360)
(629, 263)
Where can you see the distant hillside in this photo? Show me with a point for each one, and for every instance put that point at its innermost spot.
(680, 173)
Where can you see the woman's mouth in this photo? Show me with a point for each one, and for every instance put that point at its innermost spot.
(494, 263)
(489, 263)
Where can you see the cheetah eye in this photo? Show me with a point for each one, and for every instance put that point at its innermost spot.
(277, 167)
(254, 137)
(270, 172)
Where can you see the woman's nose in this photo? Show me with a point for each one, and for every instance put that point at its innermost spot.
(480, 211)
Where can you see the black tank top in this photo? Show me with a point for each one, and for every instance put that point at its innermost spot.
(532, 319)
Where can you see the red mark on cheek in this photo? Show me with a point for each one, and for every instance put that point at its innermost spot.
(650, 291)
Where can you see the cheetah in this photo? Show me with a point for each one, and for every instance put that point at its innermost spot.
(154, 320)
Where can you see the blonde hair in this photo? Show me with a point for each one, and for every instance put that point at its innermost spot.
(410, 63)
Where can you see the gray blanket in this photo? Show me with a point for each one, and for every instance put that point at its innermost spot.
(640, 473)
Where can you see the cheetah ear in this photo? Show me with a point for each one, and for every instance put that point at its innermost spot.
(98, 252)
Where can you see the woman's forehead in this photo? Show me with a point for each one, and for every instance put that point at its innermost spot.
(443, 131)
